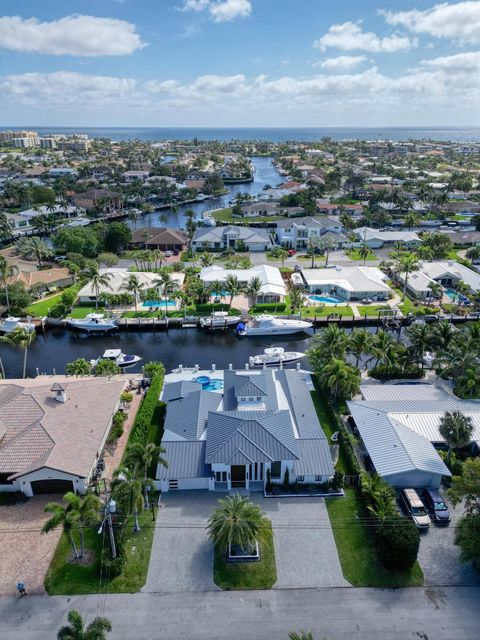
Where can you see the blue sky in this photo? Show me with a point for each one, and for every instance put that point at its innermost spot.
(239, 62)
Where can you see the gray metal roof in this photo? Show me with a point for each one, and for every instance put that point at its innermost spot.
(234, 380)
(301, 403)
(315, 458)
(248, 388)
(185, 460)
(216, 234)
(253, 436)
(402, 392)
(393, 447)
(187, 417)
(179, 389)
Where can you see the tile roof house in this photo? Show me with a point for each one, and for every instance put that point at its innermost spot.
(159, 238)
(53, 430)
(229, 237)
(263, 423)
(48, 278)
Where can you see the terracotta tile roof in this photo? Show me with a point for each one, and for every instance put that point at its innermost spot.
(46, 276)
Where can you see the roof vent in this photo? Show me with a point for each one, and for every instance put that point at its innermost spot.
(60, 392)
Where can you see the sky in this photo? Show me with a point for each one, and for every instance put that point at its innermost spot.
(239, 63)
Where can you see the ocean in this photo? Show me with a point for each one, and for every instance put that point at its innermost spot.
(277, 134)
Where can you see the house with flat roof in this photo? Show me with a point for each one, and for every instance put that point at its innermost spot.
(231, 237)
(53, 430)
(259, 425)
(296, 233)
(448, 273)
(273, 286)
(349, 283)
(376, 239)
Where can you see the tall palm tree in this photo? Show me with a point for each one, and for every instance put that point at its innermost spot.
(167, 284)
(62, 516)
(384, 348)
(97, 280)
(34, 247)
(339, 378)
(5, 227)
(22, 338)
(312, 248)
(331, 343)
(420, 337)
(129, 487)
(407, 264)
(359, 342)
(133, 286)
(443, 333)
(236, 522)
(206, 259)
(253, 288)
(282, 255)
(141, 456)
(77, 630)
(233, 286)
(297, 299)
(364, 251)
(327, 245)
(456, 428)
(6, 272)
(217, 287)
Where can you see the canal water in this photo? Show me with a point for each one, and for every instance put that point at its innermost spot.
(264, 174)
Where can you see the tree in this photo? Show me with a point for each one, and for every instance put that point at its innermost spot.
(456, 429)
(18, 296)
(327, 245)
(297, 299)
(33, 247)
(233, 286)
(79, 367)
(22, 338)
(97, 280)
(466, 487)
(384, 348)
(397, 541)
(420, 337)
(282, 255)
(64, 516)
(206, 259)
(129, 488)
(303, 635)
(364, 251)
(331, 343)
(359, 342)
(106, 368)
(236, 522)
(108, 259)
(254, 288)
(339, 378)
(167, 284)
(379, 495)
(407, 264)
(312, 248)
(77, 630)
(5, 227)
(133, 286)
(6, 272)
(141, 456)
(468, 383)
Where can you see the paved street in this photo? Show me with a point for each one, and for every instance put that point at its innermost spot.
(451, 613)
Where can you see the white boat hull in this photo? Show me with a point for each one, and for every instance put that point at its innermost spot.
(92, 327)
(271, 361)
(273, 331)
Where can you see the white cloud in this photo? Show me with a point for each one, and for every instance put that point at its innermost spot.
(460, 21)
(220, 10)
(74, 35)
(349, 36)
(460, 62)
(341, 63)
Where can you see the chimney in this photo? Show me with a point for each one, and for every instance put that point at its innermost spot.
(60, 392)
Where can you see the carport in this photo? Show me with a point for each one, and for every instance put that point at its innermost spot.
(51, 486)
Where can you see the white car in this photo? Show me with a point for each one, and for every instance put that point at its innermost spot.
(168, 254)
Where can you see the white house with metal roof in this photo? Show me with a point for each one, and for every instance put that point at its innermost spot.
(349, 283)
(260, 424)
(273, 286)
(377, 239)
(448, 273)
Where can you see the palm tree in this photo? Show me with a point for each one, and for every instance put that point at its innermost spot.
(233, 286)
(339, 378)
(327, 245)
(303, 635)
(217, 287)
(6, 272)
(443, 333)
(191, 225)
(133, 286)
(141, 456)
(34, 247)
(5, 227)
(384, 348)
(236, 522)
(254, 288)
(456, 429)
(129, 488)
(62, 516)
(407, 264)
(297, 299)
(359, 342)
(331, 343)
(420, 337)
(206, 259)
(380, 495)
(166, 283)
(85, 509)
(22, 338)
(79, 367)
(364, 251)
(97, 280)
(282, 255)
(77, 630)
(436, 290)
(185, 300)
(468, 383)
(312, 248)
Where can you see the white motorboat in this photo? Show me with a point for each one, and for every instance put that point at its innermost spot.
(275, 356)
(93, 322)
(265, 325)
(11, 323)
(219, 319)
(123, 360)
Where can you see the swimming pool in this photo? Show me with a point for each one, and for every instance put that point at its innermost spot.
(216, 294)
(213, 384)
(451, 293)
(325, 298)
(160, 303)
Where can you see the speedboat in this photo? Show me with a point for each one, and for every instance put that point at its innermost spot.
(265, 325)
(93, 322)
(11, 323)
(274, 356)
(121, 359)
(219, 319)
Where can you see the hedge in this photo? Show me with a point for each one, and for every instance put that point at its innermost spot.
(140, 429)
(345, 439)
(397, 542)
(270, 306)
(386, 372)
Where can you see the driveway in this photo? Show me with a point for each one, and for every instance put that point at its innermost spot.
(25, 552)
(305, 551)
(439, 556)
(182, 554)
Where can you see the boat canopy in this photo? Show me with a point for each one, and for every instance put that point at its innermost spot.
(112, 353)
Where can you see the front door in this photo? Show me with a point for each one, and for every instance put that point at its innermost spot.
(238, 476)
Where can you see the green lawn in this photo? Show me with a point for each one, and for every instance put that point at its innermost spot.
(371, 309)
(225, 215)
(82, 311)
(355, 546)
(328, 310)
(353, 254)
(247, 575)
(66, 578)
(327, 424)
(40, 309)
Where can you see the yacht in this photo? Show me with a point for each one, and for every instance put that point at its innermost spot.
(11, 323)
(93, 322)
(123, 360)
(219, 319)
(275, 356)
(265, 325)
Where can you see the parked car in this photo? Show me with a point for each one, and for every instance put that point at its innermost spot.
(168, 254)
(436, 506)
(415, 508)
(175, 252)
(292, 252)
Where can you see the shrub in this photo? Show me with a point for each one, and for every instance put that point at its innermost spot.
(397, 542)
(126, 396)
(391, 372)
(336, 483)
(269, 307)
(119, 419)
(144, 417)
(345, 439)
(153, 368)
(115, 433)
(113, 567)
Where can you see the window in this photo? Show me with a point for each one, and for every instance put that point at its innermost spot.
(260, 477)
(301, 478)
(318, 478)
(218, 476)
(251, 399)
(259, 398)
(224, 476)
(276, 469)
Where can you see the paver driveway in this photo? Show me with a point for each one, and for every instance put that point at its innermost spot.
(305, 550)
(25, 552)
(439, 557)
(182, 554)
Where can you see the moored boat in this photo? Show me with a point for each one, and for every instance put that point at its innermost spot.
(11, 323)
(123, 360)
(219, 319)
(274, 356)
(265, 325)
(93, 322)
